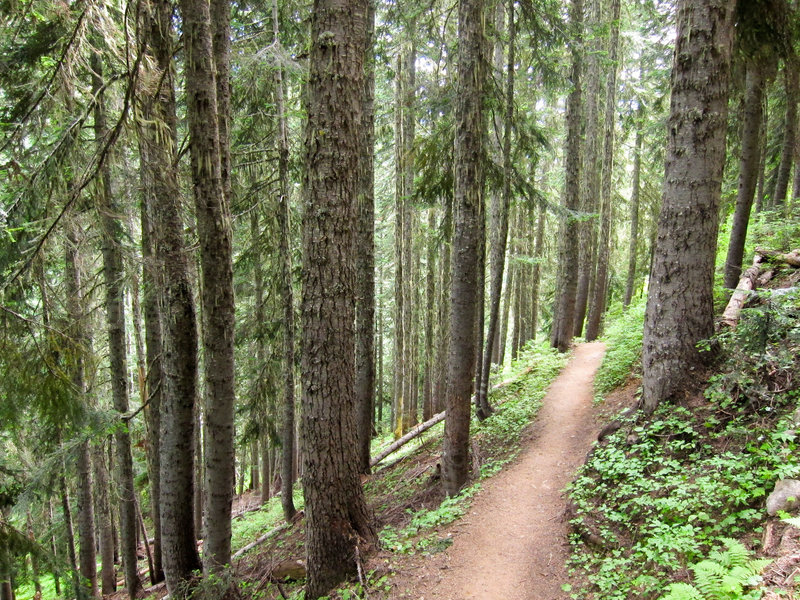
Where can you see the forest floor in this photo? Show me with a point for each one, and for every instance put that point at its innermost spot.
(512, 544)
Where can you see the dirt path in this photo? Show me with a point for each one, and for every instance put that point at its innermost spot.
(512, 544)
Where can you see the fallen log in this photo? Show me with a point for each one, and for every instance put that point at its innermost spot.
(260, 540)
(746, 284)
(423, 427)
(792, 258)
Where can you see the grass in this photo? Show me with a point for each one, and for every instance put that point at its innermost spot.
(623, 337)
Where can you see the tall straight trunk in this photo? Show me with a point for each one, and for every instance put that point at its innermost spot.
(792, 81)
(6, 580)
(599, 299)
(507, 302)
(536, 275)
(379, 358)
(430, 302)
(443, 334)
(151, 278)
(53, 547)
(634, 209)
(482, 408)
(762, 167)
(78, 589)
(208, 143)
(566, 282)
(468, 204)
(749, 162)
(591, 174)
(255, 466)
(287, 290)
(336, 510)
(35, 569)
(516, 330)
(365, 256)
(74, 276)
(399, 275)
(266, 470)
(106, 535)
(178, 317)
(114, 278)
(680, 306)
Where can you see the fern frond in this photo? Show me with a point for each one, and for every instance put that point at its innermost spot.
(793, 521)
(682, 591)
(709, 577)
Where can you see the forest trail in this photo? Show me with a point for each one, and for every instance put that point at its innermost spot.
(512, 545)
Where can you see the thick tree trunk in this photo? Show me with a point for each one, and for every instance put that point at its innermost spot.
(599, 299)
(468, 203)
(680, 302)
(365, 256)
(566, 283)
(336, 511)
(114, 277)
(178, 318)
(748, 170)
(591, 162)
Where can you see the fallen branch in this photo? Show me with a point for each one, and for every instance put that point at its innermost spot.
(746, 284)
(437, 418)
(792, 258)
(260, 540)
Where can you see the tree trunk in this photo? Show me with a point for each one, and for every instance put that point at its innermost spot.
(508, 300)
(266, 471)
(634, 214)
(336, 511)
(680, 302)
(54, 547)
(748, 170)
(789, 128)
(591, 162)
(365, 256)
(599, 299)
(536, 276)
(78, 589)
(106, 534)
(399, 289)
(178, 318)
(114, 278)
(762, 167)
(430, 302)
(468, 203)
(207, 110)
(287, 291)
(566, 282)
(443, 345)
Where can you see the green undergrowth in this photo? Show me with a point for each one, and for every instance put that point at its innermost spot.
(623, 338)
(495, 442)
(252, 525)
(661, 493)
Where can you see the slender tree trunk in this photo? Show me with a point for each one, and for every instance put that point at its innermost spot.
(599, 299)
(480, 313)
(430, 302)
(287, 290)
(78, 589)
(114, 277)
(35, 570)
(336, 511)
(365, 256)
(507, 302)
(106, 534)
(399, 275)
(680, 302)
(468, 204)
(566, 282)
(748, 170)
(634, 213)
(789, 131)
(266, 471)
(54, 547)
(443, 345)
(536, 276)
(762, 167)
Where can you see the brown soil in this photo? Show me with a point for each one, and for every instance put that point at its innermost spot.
(512, 545)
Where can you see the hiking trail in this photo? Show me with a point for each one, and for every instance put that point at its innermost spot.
(512, 544)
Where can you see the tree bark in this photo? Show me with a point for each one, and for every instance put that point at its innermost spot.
(443, 345)
(365, 255)
(634, 208)
(114, 277)
(430, 317)
(336, 511)
(749, 162)
(178, 317)
(792, 75)
(680, 302)
(468, 203)
(106, 534)
(591, 174)
(287, 290)
(599, 299)
(566, 282)
(536, 276)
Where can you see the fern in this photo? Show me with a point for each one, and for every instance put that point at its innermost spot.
(794, 521)
(724, 575)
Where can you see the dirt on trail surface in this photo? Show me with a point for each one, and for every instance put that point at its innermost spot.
(512, 544)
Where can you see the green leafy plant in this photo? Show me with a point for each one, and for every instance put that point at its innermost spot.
(727, 574)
